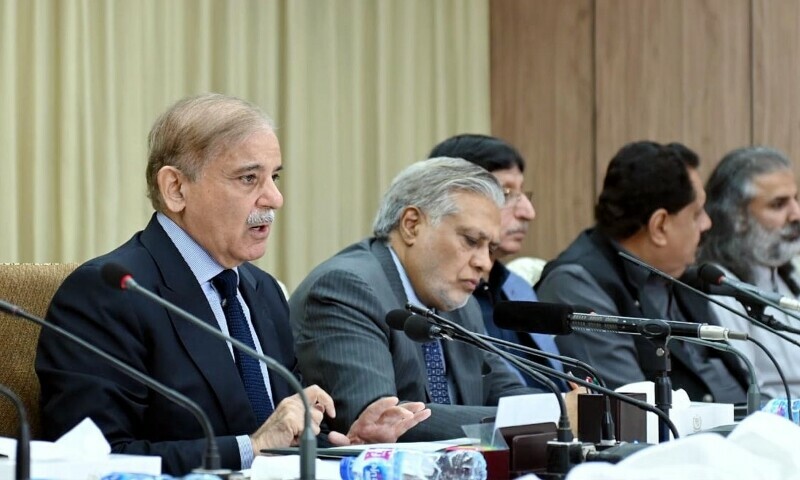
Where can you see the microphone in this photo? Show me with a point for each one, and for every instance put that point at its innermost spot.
(563, 430)
(558, 319)
(715, 277)
(669, 278)
(466, 336)
(396, 319)
(211, 460)
(118, 277)
(22, 463)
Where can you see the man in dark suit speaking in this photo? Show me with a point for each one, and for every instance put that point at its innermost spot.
(433, 237)
(212, 174)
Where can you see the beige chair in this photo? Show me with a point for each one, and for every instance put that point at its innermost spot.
(529, 268)
(30, 286)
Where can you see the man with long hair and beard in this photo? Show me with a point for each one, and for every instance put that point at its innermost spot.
(755, 233)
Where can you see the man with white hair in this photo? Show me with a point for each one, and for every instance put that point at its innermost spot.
(432, 242)
(752, 202)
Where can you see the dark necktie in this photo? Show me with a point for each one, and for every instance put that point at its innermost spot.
(434, 364)
(226, 284)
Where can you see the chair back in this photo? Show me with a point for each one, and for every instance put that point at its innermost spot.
(30, 286)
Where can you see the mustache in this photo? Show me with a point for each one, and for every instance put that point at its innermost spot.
(517, 229)
(261, 217)
(791, 231)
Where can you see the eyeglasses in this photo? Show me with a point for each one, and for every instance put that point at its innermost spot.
(513, 197)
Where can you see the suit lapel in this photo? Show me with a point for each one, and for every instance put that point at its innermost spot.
(211, 355)
(384, 257)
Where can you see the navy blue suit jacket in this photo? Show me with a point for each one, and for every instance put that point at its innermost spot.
(77, 384)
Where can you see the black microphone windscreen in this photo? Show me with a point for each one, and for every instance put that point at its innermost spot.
(711, 274)
(113, 274)
(692, 278)
(396, 319)
(537, 317)
(418, 329)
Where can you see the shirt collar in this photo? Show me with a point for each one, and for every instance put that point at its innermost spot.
(203, 266)
(407, 287)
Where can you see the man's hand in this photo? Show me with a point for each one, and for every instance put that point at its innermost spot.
(284, 426)
(383, 421)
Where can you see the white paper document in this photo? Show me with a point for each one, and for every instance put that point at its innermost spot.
(527, 410)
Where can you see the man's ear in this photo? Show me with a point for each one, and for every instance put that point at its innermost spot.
(411, 221)
(171, 183)
(657, 227)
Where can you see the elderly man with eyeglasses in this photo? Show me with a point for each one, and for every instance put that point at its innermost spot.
(500, 283)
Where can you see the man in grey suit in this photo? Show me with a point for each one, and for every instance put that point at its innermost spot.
(433, 237)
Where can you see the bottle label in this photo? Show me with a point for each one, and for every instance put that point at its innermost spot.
(378, 464)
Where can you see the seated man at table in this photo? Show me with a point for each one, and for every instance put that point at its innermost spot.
(212, 177)
(434, 234)
(752, 200)
(651, 207)
(500, 283)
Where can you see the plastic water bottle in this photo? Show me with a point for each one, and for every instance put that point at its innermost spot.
(399, 464)
(780, 406)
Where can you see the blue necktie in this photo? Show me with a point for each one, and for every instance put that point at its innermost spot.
(434, 364)
(226, 284)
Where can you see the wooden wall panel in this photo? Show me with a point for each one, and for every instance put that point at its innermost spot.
(776, 75)
(674, 70)
(542, 103)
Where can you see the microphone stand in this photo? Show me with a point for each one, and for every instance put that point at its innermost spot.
(211, 460)
(563, 431)
(308, 441)
(657, 332)
(753, 394)
(22, 463)
(560, 460)
(564, 376)
(607, 430)
(756, 311)
(753, 321)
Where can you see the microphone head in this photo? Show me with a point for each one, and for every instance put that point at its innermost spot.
(114, 275)
(536, 317)
(396, 319)
(711, 274)
(418, 328)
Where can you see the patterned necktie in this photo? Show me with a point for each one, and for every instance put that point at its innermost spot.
(434, 364)
(226, 284)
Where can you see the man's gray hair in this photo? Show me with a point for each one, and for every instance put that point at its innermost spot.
(429, 185)
(196, 129)
(729, 191)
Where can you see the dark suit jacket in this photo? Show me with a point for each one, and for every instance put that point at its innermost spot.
(596, 253)
(134, 419)
(343, 344)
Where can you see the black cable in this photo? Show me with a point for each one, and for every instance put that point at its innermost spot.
(22, 464)
(643, 405)
(780, 373)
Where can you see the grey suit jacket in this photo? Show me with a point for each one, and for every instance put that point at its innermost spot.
(344, 345)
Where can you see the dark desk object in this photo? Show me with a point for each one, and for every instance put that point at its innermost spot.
(630, 422)
(528, 447)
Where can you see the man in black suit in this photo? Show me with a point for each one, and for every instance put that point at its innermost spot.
(212, 170)
(651, 207)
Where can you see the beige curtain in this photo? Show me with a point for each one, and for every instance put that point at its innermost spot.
(358, 88)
